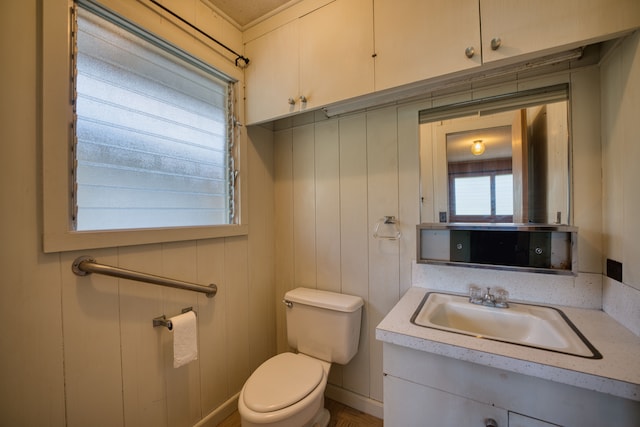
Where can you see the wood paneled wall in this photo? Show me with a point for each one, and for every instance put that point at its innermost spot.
(335, 179)
(82, 351)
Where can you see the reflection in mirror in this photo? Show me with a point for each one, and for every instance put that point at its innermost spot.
(480, 175)
(497, 160)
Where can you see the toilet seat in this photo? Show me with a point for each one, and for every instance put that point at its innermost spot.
(282, 381)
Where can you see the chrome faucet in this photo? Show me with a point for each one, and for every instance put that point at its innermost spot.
(487, 299)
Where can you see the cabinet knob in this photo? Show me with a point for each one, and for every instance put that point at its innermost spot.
(291, 101)
(495, 43)
(490, 422)
(470, 51)
(303, 99)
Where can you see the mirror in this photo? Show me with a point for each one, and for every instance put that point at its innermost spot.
(502, 160)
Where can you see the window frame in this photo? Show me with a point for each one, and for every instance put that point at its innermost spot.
(56, 132)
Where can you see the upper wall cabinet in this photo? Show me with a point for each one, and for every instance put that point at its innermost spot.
(323, 53)
(320, 58)
(517, 27)
(417, 40)
(336, 52)
(272, 86)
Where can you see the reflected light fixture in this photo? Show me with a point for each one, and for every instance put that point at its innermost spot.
(477, 147)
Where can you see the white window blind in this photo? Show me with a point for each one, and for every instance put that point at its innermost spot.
(504, 194)
(473, 195)
(483, 196)
(153, 133)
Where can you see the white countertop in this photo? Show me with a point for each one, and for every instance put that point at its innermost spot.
(617, 373)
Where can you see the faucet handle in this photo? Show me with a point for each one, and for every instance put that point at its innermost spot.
(502, 297)
(475, 294)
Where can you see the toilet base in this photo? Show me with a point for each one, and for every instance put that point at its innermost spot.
(322, 420)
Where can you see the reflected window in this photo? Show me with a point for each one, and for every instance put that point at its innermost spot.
(472, 196)
(481, 191)
(504, 194)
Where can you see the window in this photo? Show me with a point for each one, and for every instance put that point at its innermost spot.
(155, 149)
(152, 132)
(481, 191)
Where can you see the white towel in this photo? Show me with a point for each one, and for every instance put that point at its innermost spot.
(185, 339)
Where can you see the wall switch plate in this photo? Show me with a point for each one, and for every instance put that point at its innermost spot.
(443, 217)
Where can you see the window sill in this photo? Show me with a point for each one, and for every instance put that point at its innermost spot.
(78, 240)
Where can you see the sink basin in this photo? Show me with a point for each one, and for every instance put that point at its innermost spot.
(529, 325)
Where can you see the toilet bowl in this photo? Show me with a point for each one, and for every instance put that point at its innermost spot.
(288, 389)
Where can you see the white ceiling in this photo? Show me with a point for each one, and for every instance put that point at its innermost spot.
(244, 12)
(497, 142)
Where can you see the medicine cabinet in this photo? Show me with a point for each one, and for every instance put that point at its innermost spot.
(502, 159)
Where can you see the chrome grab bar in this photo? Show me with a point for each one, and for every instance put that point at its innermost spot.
(84, 265)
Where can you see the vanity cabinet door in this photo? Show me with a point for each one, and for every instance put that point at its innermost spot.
(417, 40)
(409, 404)
(525, 26)
(426, 389)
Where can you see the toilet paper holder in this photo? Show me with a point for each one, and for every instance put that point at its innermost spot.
(163, 321)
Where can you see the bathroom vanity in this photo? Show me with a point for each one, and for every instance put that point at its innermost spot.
(437, 377)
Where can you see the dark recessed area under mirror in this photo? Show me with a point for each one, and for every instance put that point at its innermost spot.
(531, 248)
(503, 159)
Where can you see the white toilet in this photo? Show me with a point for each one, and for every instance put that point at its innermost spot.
(288, 389)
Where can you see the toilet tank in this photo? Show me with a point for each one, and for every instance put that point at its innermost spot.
(324, 325)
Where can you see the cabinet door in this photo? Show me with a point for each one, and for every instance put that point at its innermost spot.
(525, 26)
(272, 75)
(417, 39)
(336, 48)
(409, 404)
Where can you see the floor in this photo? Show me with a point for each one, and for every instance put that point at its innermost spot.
(341, 416)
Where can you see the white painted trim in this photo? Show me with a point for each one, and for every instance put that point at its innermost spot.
(216, 416)
(354, 400)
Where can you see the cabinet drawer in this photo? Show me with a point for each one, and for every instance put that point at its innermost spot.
(409, 404)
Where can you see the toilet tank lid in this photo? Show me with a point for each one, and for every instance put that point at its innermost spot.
(324, 299)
